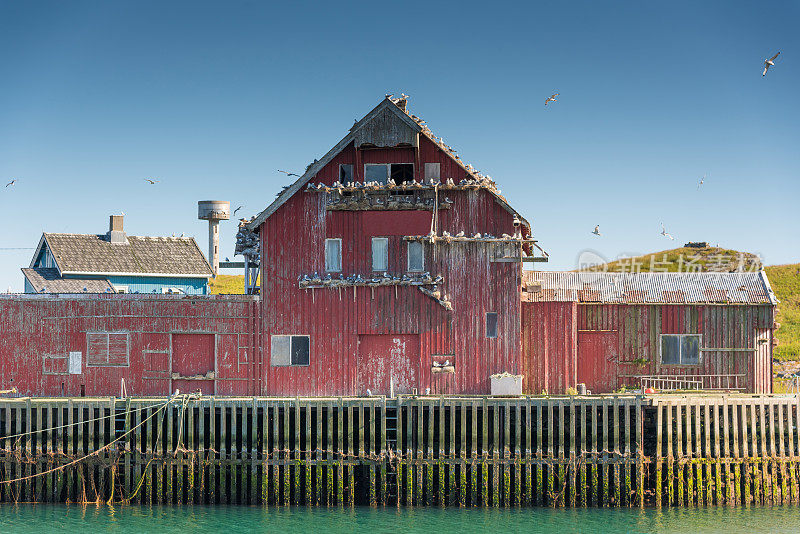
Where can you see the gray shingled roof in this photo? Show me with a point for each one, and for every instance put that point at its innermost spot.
(47, 280)
(90, 253)
(649, 288)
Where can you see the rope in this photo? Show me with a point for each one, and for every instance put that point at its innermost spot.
(84, 421)
(93, 453)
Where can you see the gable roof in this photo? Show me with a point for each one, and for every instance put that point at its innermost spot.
(649, 288)
(84, 254)
(414, 123)
(47, 280)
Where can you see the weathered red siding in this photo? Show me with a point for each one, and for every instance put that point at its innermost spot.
(38, 333)
(637, 329)
(292, 241)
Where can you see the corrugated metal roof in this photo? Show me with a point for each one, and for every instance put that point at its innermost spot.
(91, 253)
(649, 288)
(47, 280)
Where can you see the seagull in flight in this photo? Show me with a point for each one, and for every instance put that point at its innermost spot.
(12, 182)
(237, 209)
(769, 63)
(287, 173)
(665, 233)
(702, 181)
(152, 181)
(596, 230)
(551, 98)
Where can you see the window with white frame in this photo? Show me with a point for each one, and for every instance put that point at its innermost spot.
(680, 349)
(380, 254)
(333, 255)
(288, 350)
(416, 256)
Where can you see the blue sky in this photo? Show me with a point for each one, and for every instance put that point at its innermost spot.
(212, 98)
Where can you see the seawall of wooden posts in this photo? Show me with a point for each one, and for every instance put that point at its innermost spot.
(615, 450)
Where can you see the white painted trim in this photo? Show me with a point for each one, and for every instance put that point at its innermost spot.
(149, 275)
(408, 257)
(325, 255)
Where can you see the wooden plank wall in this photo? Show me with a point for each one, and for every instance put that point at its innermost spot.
(412, 451)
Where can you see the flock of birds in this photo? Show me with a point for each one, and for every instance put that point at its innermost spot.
(596, 232)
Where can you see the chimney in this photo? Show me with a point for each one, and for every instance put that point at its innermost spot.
(115, 233)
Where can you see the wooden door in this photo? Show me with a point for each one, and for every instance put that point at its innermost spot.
(193, 362)
(387, 359)
(598, 361)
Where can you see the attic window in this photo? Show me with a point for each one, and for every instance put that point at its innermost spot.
(433, 171)
(376, 173)
(345, 173)
(402, 172)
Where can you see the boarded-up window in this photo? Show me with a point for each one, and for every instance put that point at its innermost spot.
(107, 349)
(416, 256)
(491, 324)
(432, 171)
(380, 253)
(376, 173)
(290, 350)
(333, 255)
(680, 349)
(345, 174)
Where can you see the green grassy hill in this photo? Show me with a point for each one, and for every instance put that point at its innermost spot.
(785, 281)
(685, 259)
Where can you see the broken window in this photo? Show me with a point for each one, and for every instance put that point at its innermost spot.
(345, 173)
(380, 253)
(680, 349)
(107, 349)
(333, 255)
(432, 171)
(416, 256)
(402, 172)
(491, 325)
(376, 173)
(290, 350)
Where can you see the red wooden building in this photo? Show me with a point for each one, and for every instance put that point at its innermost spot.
(390, 265)
(666, 330)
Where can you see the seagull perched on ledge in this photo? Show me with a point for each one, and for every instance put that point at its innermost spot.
(551, 98)
(769, 63)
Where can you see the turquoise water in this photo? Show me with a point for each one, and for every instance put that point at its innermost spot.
(92, 519)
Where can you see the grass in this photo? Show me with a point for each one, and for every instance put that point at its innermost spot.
(227, 284)
(785, 281)
(684, 259)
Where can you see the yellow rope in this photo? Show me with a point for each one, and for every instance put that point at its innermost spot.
(85, 421)
(93, 453)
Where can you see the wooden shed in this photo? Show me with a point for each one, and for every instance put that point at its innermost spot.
(710, 331)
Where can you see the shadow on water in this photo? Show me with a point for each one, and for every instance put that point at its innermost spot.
(38, 518)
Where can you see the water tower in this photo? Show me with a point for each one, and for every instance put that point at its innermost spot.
(213, 211)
